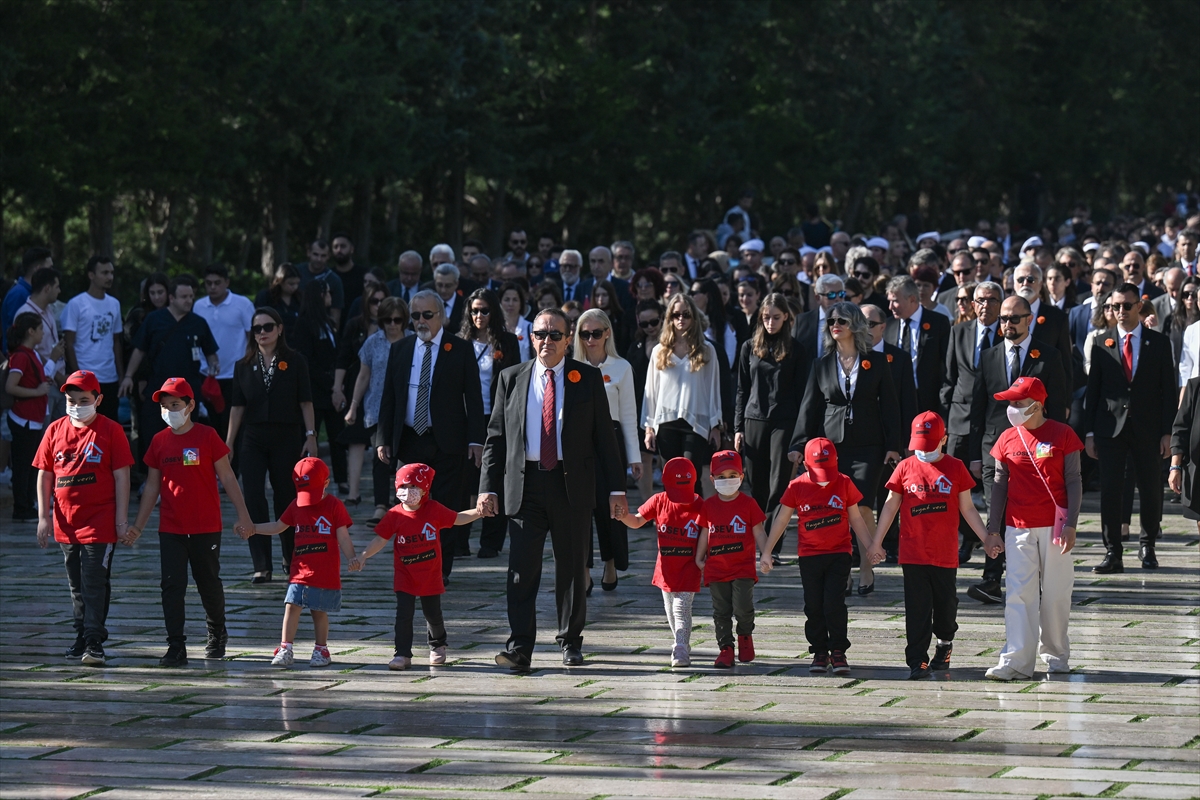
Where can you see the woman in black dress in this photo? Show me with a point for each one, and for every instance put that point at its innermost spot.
(355, 437)
(851, 400)
(649, 317)
(283, 295)
(314, 337)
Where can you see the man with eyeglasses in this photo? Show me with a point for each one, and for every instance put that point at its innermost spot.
(549, 439)
(962, 268)
(431, 409)
(1047, 321)
(923, 336)
(1129, 410)
(1019, 355)
(600, 260)
(228, 316)
(811, 324)
(569, 277)
(518, 243)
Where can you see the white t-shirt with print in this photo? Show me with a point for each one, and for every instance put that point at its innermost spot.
(94, 322)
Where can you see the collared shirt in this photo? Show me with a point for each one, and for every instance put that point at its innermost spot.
(533, 408)
(820, 330)
(1022, 353)
(1136, 334)
(1189, 360)
(570, 290)
(414, 374)
(229, 322)
(450, 304)
(979, 329)
(49, 339)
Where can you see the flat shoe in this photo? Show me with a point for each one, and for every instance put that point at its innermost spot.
(863, 591)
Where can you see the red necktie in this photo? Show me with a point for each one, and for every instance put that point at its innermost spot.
(1127, 357)
(549, 457)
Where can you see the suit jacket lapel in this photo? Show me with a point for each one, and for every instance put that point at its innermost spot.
(570, 393)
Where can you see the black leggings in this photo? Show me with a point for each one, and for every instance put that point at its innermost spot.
(768, 469)
(431, 607)
(677, 439)
(269, 450)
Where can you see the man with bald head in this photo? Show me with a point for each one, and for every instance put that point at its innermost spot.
(1165, 307)
(409, 281)
(600, 259)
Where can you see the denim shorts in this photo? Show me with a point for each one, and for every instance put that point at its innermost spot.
(314, 599)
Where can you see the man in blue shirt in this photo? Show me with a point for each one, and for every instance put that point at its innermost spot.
(34, 259)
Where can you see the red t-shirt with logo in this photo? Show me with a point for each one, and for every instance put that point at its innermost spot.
(731, 545)
(678, 526)
(823, 522)
(316, 557)
(191, 502)
(1029, 503)
(82, 461)
(29, 364)
(929, 509)
(418, 548)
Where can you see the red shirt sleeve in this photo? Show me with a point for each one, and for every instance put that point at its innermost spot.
(290, 514)
(151, 459)
(219, 449)
(964, 481)
(387, 526)
(754, 514)
(445, 517)
(790, 498)
(121, 455)
(341, 517)
(852, 493)
(649, 509)
(897, 481)
(45, 453)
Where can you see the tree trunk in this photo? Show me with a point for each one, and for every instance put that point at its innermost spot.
(454, 215)
(205, 229)
(392, 224)
(164, 238)
(100, 226)
(275, 224)
(850, 216)
(325, 226)
(364, 201)
(496, 241)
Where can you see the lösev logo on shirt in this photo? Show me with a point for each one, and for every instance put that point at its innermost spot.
(320, 526)
(942, 486)
(736, 525)
(929, 508)
(429, 532)
(691, 530)
(191, 456)
(822, 522)
(730, 547)
(92, 453)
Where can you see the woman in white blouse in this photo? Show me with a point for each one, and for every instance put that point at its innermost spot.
(512, 301)
(681, 410)
(594, 344)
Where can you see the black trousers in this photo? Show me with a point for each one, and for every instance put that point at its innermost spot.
(431, 607)
(25, 443)
(545, 509)
(382, 481)
(447, 480)
(676, 439)
(269, 450)
(109, 402)
(764, 455)
(220, 420)
(930, 609)
(956, 446)
(334, 422)
(613, 537)
(827, 619)
(89, 570)
(1147, 469)
(150, 422)
(202, 552)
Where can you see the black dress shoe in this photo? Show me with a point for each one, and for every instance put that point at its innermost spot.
(176, 656)
(919, 672)
(261, 577)
(1149, 560)
(487, 552)
(510, 659)
(572, 657)
(987, 592)
(608, 587)
(1111, 564)
(863, 591)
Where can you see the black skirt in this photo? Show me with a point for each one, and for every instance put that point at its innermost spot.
(602, 493)
(863, 465)
(357, 434)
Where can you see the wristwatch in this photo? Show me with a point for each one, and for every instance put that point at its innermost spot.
(310, 433)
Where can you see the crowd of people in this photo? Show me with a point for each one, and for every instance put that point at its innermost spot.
(884, 390)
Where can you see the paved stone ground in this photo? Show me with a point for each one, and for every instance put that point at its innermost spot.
(1124, 724)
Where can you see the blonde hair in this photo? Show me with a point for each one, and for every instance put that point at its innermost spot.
(594, 315)
(697, 351)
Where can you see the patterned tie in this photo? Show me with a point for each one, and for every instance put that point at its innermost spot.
(421, 417)
(1127, 357)
(1014, 364)
(549, 453)
(906, 337)
(984, 344)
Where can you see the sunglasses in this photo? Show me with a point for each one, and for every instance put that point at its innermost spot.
(481, 312)
(787, 262)
(392, 320)
(1026, 279)
(1012, 319)
(1189, 295)
(653, 323)
(1071, 264)
(669, 269)
(597, 334)
(424, 314)
(965, 301)
(681, 315)
(554, 336)
(962, 271)
(838, 321)
(981, 262)
(675, 284)
(1118, 306)
(375, 301)
(266, 327)
(832, 295)
(875, 324)
(863, 275)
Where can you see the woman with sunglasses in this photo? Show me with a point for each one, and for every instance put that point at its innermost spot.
(649, 316)
(1187, 311)
(495, 351)
(647, 284)
(355, 436)
(672, 285)
(513, 299)
(272, 408)
(594, 344)
(850, 399)
(313, 336)
(368, 389)
(964, 303)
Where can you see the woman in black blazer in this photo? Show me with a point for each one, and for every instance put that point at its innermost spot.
(851, 400)
(495, 351)
(313, 336)
(772, 373)
(272, 408)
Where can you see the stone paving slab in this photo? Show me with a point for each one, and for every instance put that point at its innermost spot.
(1125, 723)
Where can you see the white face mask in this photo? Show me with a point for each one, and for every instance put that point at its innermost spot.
(81, 413)
(176, 419)
(1019, 416)
(927, 455)
(727, 486)
(410, 496)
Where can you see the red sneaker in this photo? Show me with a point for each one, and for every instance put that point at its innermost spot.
(837, 660)
(725, 659)
(745, 648)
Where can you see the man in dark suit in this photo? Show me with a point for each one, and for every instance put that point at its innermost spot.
(1019, 355)
(448, 284)
(1186, 245)
(968, 342)
(549, 439)
(923, 335)
(962, 270)
(1047, 322)
(574, 287)
(1080, 317)
(1129, 408)
(1166, 304)
(431, 410)
(600, 260)
(810, 326)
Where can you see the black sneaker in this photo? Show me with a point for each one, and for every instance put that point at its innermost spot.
(987, 592)
(93, 654)
(176, 656)
(216, 644)
(76, 650)
(941, 657)
(919, 672)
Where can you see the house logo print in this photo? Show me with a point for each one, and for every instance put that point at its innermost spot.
(692, 529)
(323, 527)
(738, 524)
(836, 502)
(943, 485)
(92, 454)
(429, 532)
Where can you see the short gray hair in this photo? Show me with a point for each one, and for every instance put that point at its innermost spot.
(565, 253)
(446, 270)
(904, 286)
(991, 286)
(925, 256)
(409, 255)
(854, 254)
(830, 283)
(442, 250)
(623, 243)
(433, 297)
(481, 257)
(1033, 267)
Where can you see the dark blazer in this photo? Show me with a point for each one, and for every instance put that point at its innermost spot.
(589, 443)
(640, 363)
(319, 348)
(1185, 441)
(876, 408)
(290, 386)
(583, 289)
(455, 397)
(931, 357)
(1080, 325)
(989, 417)
(807, 329)
(770, 390)
(960, 376)
(1150, 290)
(906, 389)
(1164, 308)
(1052, 327)
(1147, 404)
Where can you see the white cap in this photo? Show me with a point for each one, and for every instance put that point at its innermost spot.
(805, 250)
(1145, 248)
(1090, 246)
(1032, 241)
(976, 242)
(878, 241)
(825, 249)
(753, 244)
(937, 237)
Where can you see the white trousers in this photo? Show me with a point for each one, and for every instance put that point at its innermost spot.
(1037, 600)
(678, 606)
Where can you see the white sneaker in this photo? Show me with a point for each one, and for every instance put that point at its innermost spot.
(320, 657)
(284, 657)
(1056, 666)
(680, 657)
(1003, 672)
(400, 663)
(437, 655)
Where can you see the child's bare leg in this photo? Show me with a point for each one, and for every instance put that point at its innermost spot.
(320, 627)
(291, 621)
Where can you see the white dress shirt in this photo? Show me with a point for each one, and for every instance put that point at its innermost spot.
(483, 357)
(533, 408)
(414, 376)
(1022, 354)
(1136, 333)
(1189, 360)
(229, 322)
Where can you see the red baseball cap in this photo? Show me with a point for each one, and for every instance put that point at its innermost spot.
(725, 459)
(419, 475)
(82, 379)
(309, 475)
(679, 480)
(175, 387)
(927, 432)
(820, 458)
(1024, 388)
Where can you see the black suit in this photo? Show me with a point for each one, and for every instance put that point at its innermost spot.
(558, 501)
(1052, 326)
(1185, 441)
(807, 329)
(906, 387)
(959, 387)
(455, 412)
(492, 529)
(1130, 419)
(931, 356)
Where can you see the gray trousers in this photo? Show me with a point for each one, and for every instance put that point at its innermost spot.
(732, 599)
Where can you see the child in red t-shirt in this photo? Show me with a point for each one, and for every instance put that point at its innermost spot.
(416, 524)
(726, 554)
(929, 490)
(183, 463)
(28, 386)
(678, 515)
(315, 582)
(826, 504)
(83, 480)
